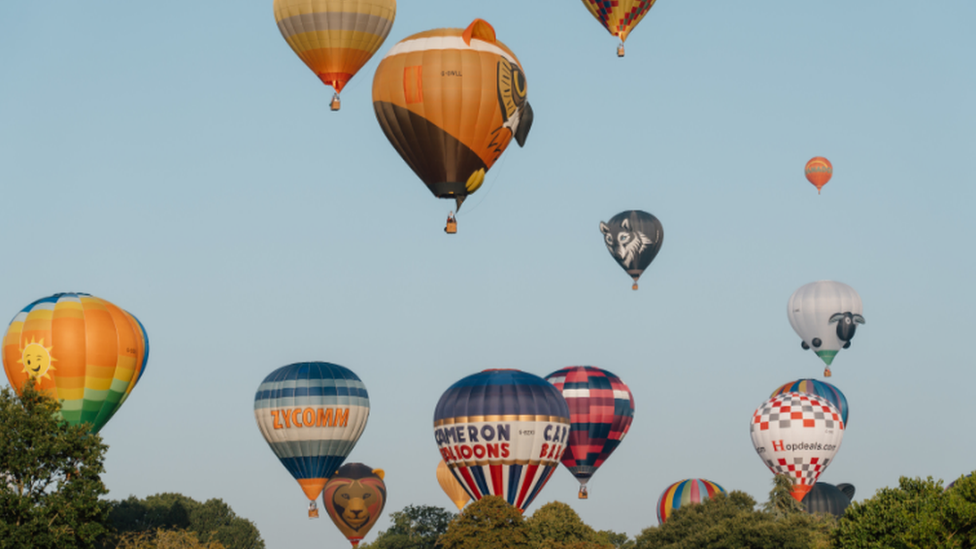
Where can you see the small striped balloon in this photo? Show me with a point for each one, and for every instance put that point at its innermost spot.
(818, 171)
(685, 492)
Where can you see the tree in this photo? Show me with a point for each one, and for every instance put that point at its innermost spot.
(916, 514)
(489, 523)
(212, 520)
(618, 541)
(51, 476)
(556, 526)
(781, 502)
(415, 527)
(165, 539)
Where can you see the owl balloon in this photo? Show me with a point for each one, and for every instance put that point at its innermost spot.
(633, 238)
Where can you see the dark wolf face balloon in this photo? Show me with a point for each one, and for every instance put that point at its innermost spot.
(633, 237)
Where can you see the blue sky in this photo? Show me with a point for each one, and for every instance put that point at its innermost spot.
(178, 160)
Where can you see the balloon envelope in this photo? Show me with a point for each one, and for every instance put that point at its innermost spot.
(450, 101)
(683, 493)
(354, 498)
(502, 433)
(619, 17)
(633, 238)
(601, 409)
(797, 435)
(818, 388)
(818, 171)
(81, 350)
(821, 313)
(451, 486)
(335, 38)
(311, 414)
(826, 498)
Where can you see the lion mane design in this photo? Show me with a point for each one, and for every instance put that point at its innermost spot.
(355, 497)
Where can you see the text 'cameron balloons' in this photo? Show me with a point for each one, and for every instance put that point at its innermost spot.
(825, 314)
(502, 433)
(821, 389)
(691, 491)
(335, 38)
(355, 498)
(311, 414)
(633, 238)
(619, 17)
(818, 171)
(450, 101)
(797, 435)
(601, 409)
(451, 486)
(81, 350)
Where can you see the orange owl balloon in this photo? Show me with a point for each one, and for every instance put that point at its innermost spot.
(450, 101)
(81, 350)
(819, 170)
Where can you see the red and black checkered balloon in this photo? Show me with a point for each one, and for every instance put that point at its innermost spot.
(601, 409)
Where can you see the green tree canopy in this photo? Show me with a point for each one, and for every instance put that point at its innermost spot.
(165, 539)
(489, 523)
(50, 476)
(415, 527)
(556, 526)
(212, 520)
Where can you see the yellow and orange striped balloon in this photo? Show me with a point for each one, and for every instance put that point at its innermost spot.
(335, 38)
(620, 16)
(81, 350)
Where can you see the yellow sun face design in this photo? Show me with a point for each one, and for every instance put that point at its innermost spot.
(37, 359)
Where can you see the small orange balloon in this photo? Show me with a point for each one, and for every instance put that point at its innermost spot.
(819, 170)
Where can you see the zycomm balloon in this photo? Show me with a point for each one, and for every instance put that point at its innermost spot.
(354, 498)
(619, 17)
(601, 409)
(818, 171)
(335, 38)
(81, 350)
(683, 493)
(311, 414)
(451, 486)
(797, 435)
(820, 389)
(825, 315)
(502, 433)
(633, 238)
(450, 101)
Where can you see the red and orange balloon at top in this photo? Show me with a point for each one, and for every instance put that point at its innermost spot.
(818, 171)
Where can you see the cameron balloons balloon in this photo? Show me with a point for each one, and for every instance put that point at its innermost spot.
(502, 433)
(821, 389)
(619, 17)
(797, 435)
(335, 38)
(601, 409)
(633, 238)
(683, 493)
(825, 315)
(826, 498)
(81, 350)
(818, 171)
(354, 498)
(311, 414)
(451, 486)
(450, 101)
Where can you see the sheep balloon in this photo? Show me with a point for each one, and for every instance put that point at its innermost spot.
(825, 315)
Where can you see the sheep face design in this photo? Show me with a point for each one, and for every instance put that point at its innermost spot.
(846, 326)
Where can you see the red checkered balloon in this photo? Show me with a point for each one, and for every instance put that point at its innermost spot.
(797, 435)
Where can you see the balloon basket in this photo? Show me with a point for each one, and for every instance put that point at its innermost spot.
(827, 372)
(335, 104)
(583, 494)
(451, 227)
(634, 287)
(620, 50)
(313, 510)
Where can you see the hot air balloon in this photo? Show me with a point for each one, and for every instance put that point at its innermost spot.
(311, 414)
(683, 493)
(825, 315)
(450, 101)
(79, 349)
(633, 238)
(502, 433)
(818, 171)
(601, 409)
(354, 498)
(828, 499)
(451, 486)
(335, 38)
(821, 389)
(797, 435)
(619, 17)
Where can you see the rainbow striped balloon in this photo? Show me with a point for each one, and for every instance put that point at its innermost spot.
(818, 388)
(80, 349)
(685, 492)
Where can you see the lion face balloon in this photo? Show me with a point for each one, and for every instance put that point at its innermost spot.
(355, 497)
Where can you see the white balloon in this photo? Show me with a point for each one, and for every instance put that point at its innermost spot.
(822, 313)
(797, 435)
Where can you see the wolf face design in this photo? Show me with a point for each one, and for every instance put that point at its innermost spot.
(625, 244)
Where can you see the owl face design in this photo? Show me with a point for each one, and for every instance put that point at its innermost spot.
(516, 112)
